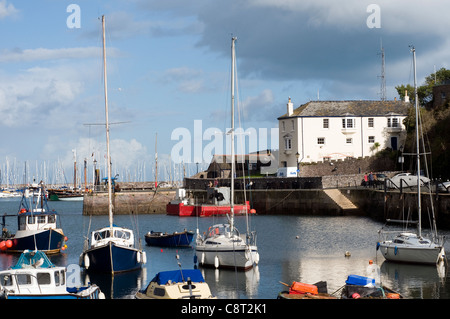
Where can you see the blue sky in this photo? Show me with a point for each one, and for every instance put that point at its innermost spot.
(169, 67)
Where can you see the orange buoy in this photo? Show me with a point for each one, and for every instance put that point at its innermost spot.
(9, 243)
(252, 211)
(3, 245)
(393, 296)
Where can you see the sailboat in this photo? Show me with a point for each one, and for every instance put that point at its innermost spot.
(413, 247)
(223, 246)
(111, 249)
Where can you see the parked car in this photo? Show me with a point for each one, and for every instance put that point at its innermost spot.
(380, 178)
(408, 179)
(444, 187)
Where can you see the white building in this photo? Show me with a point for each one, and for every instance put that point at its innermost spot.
(327, 130)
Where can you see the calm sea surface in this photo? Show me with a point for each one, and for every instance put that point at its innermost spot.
(291, 248)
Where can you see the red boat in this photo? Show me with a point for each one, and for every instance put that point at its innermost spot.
(217, 203)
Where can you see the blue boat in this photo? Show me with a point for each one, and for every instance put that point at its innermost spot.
(35, 277)
(112, 251)
(37, 225)
(176, 239)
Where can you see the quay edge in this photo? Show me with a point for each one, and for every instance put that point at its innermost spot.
(373, 203)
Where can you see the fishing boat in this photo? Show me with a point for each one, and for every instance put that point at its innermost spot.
(177, 284)
(175, 239)
(222, 246)
(37, 225)
(35, 277)
(111, 249)
(217, 203)
(409, 246)
(361, 287)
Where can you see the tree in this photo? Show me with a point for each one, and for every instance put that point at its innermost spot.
(425, 91)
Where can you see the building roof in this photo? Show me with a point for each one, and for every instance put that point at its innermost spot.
(355, 108)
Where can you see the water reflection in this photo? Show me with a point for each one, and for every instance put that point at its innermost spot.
(230, 284)
(118, 286)
(414, 281)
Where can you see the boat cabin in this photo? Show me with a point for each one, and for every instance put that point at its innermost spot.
(120, 235)
(34, 273)
(177, 284)
(36, 220)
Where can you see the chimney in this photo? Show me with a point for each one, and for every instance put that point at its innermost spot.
(406, 96)
(290, 107)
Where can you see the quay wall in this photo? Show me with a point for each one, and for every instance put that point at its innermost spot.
(375, 203)
(140, 202)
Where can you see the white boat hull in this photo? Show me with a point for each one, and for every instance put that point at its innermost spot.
(408, 254)
(228, 257)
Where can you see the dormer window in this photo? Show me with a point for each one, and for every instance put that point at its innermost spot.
(348, 123)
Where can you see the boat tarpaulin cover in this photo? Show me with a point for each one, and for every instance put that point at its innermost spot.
(33, 259)
(163, 277)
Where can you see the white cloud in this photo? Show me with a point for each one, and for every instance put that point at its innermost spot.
(40, 54)
(7, 10)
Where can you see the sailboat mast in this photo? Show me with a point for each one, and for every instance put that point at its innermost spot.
(419, 208)
(233, 60)
(108, 157)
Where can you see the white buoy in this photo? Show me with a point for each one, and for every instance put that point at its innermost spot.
(347, 254)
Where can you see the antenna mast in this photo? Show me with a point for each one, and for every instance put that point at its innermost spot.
(383, 78)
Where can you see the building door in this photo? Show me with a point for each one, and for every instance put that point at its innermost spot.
(394, 143)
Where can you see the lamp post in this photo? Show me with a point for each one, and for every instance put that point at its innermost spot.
(297, 155)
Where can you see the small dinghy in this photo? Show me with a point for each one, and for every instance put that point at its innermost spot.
(176, 239)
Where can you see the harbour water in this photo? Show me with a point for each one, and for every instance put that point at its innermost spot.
(292, 248)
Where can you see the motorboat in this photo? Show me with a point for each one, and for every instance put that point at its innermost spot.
(37, 225)
(35, 277)
(177, 284)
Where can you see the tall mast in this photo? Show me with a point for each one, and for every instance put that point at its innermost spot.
(108, 157)
(233, 60)
(419, 208)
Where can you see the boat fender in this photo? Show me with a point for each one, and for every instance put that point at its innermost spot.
(356, 295)
(216, 262)
(395, 250)
(203, 258)
(9, 243)
(86, 261)
(195, 259)
(378, 245)
(256, 258)
(144, 257)
(138, 257)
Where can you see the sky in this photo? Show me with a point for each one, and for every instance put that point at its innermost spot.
(169, 69)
